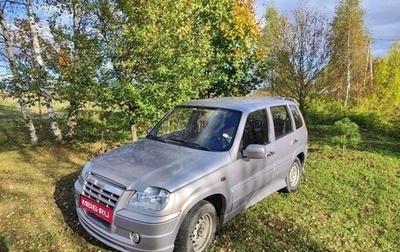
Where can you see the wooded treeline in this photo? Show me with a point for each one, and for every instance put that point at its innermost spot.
(132, 60)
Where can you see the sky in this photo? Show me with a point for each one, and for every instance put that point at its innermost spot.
(382, 18)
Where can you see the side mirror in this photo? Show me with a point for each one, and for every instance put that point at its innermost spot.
(254, 151)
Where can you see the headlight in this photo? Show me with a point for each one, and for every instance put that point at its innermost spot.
(86, 170)
(152, 198)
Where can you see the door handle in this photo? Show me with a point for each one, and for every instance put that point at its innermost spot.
(270, 153)
(294, 141)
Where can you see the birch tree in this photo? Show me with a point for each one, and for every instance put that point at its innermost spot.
(78, 56)
(350, 43)
(17, 87)
(41, 72)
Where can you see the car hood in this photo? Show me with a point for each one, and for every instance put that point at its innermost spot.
(151, 163)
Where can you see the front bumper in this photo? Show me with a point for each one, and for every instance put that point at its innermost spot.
(156, 234)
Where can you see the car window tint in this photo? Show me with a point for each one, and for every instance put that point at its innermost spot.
(282, 121)
(298, 121)
(256, 128)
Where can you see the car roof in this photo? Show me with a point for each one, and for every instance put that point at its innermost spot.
(244, 104)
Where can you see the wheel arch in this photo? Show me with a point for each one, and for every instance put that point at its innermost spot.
(302, 157)
(218, 200)
(219, 203)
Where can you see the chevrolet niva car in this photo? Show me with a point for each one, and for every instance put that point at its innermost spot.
(201, 165)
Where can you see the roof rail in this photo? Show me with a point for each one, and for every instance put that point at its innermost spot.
(289, 99)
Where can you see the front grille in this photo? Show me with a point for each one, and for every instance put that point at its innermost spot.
(101, 192)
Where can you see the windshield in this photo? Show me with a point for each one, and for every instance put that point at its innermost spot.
(211, 129)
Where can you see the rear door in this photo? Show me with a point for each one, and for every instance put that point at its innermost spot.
(286, 139)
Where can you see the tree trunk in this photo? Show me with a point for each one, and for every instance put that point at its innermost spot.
(46, 89)
(371, 70)
(348, 79)
(368, 67)
(134, 133)
(72, 119)
(28, 121)
(72, 122)
(12, 62)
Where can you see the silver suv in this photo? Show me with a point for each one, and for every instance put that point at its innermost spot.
(201, 165)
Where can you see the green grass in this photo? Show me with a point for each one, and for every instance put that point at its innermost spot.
(36, 199)
(346, 202)
(10, 109)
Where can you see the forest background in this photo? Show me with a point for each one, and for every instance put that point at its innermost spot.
(128, 62)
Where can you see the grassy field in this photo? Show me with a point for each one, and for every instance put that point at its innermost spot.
(346, 202)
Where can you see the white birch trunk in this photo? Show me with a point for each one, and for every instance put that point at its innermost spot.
(46, 90)
(348, 80)
(28, 121)
(12, 61)
(371, 70)
(366, 67)
(72, 120)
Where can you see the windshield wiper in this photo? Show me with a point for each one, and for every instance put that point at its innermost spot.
(176, 140)
(153, 137)
(199, 146)
(188, 143)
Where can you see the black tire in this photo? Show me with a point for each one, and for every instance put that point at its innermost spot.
(293, 176)
(198, 228)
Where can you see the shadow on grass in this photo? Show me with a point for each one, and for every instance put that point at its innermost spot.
(9, 112)
(3, 245)
(266, 233)
(14, 134)
(64, 198)
(380, 143)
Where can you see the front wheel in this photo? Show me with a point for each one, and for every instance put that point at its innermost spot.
(198, 228)
(294, 176)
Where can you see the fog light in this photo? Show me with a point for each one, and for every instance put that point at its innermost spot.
(135, 237)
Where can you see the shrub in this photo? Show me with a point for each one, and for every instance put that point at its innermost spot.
(346, 133)
(323, 112)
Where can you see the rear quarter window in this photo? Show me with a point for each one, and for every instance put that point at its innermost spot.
(298, 120)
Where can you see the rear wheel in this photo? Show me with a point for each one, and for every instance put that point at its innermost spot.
(294, 176)
(197, 230)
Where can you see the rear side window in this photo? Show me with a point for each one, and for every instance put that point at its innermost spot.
(298, 121)
(282, 121)
(256, 128)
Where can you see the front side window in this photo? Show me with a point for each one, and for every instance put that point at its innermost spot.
(282, 121)
(256, 129)
(211, 129)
